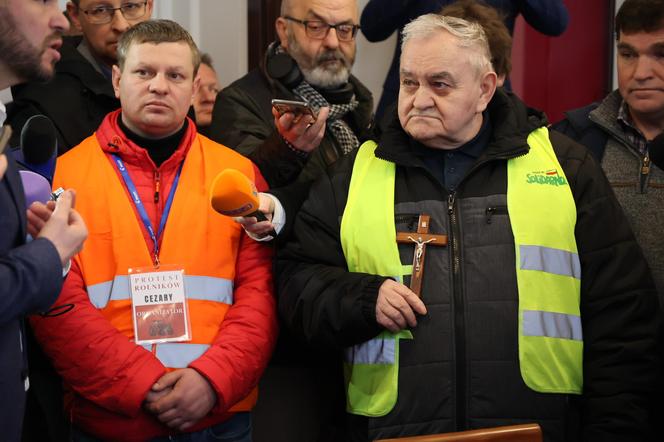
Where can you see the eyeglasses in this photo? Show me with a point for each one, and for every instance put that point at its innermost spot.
(102, 14)
(318, 29)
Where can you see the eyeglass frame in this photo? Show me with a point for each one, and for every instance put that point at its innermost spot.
(305, 23)
(112, 11)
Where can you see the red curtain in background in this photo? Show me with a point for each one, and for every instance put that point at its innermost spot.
(556, 74)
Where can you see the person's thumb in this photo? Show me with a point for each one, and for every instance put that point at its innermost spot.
(64, 204)
(166, 380)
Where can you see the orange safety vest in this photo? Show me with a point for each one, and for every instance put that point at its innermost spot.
(207, 249)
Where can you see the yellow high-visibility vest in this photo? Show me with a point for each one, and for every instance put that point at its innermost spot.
(543, 217)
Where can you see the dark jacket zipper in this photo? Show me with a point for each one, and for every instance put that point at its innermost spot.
(459, 310)
(461, 369)
(157, 185)
(459, 318)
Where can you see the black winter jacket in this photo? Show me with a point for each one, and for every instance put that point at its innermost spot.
(461, 370)
(242, 120)
(76, 100)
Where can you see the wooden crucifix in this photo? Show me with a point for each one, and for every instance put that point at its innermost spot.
(421, 238)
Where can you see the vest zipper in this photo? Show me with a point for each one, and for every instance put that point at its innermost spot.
(645, 172)
(157, 185)
(459, 318)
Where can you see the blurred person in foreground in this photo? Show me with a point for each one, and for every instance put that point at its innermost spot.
(31, 274)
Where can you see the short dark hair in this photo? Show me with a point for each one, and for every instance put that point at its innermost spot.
(157, 31)
(206, 59)
(640, 16)
(493, 23)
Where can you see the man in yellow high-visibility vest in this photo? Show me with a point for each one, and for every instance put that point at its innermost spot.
(536, 305)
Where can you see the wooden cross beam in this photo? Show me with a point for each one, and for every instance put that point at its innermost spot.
(421, 238)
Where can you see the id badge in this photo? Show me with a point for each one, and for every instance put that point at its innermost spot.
(159, 305)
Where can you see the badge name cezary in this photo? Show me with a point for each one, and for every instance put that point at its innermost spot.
(159, 307)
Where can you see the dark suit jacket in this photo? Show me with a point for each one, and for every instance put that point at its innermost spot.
(30, 281)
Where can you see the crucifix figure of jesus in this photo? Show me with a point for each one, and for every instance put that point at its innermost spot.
(422, 238)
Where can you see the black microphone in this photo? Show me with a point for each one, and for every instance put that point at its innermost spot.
(656, 151)
(39, 146)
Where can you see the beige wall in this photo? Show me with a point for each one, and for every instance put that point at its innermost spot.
(220, 28)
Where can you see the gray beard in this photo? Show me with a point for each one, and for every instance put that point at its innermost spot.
(322, 78)
(315, 74)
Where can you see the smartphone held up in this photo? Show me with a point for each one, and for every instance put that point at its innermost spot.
(297, 108)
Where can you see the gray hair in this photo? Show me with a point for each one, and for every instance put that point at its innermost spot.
(286, 6)
(468, 34)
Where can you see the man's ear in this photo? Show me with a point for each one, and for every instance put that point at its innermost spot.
(148, 9)
(73, 12)
(117, 74)
(281, 26)
(197, 86)
(487, 89)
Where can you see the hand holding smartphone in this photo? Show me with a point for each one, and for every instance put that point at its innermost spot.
(297, 108)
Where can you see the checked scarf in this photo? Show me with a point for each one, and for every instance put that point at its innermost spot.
(339, 128)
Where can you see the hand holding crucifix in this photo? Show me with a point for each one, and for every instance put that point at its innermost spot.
(421, 238)
(397, 304)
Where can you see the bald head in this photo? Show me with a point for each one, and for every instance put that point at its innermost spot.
(324, 59)
(288, 7)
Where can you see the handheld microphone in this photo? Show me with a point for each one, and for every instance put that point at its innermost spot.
(656, 151)
(233, 194)
(39, 146)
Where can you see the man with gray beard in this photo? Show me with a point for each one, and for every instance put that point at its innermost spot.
(300, 390)
(311, 62)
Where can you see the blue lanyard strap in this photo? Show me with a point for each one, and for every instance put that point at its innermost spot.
(141, 208)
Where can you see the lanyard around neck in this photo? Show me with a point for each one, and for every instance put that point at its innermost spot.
(131, 187)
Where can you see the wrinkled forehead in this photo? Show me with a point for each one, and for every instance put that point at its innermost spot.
(171, 54)
(332, 11)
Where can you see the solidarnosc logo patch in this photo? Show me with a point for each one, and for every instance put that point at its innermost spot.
(548, 177)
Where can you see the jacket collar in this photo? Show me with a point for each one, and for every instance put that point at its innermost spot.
(75, 64)
(512, 121)
(606, 117)
(113, 140)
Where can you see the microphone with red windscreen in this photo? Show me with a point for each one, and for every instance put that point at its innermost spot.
(233, 194)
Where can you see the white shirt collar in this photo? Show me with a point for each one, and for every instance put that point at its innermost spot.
(3, 113)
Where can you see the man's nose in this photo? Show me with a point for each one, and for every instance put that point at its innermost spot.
(209, 94)
(58, 21)
(158, 84)
(422, 99)
(331, 39)
(644, 68)
(119, 22)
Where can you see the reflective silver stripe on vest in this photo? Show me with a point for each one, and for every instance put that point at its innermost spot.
(552, 325)
(546, 259)
(100, 294)
(375, 351)
(175, 355)
(201, 288)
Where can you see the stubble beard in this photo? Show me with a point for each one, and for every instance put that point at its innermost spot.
(16, 52)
